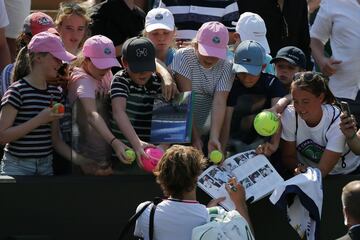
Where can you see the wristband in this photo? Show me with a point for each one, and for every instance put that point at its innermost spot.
(112, 140)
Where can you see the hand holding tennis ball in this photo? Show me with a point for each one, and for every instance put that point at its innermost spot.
(216, 156)
(58, 108)
(266, 123)
(130, 154)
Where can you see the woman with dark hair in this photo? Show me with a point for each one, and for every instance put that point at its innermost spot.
(311, 134)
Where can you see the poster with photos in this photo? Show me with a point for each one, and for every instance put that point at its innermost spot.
(254, 172)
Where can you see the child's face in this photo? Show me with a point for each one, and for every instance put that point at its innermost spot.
(161, 38)
(206, 61)
(72, 31)
(307, 105)
(140, 78)
(285, 71)
(50, 65)
(247, 80)
(95, 72)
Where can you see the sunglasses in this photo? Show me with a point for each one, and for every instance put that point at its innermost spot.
(72, 7)
(309, 76)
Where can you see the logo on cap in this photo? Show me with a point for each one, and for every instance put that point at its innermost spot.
(216, 40)
(246, 60)
(159, 16)
(44, 21)
(107, 51)
(141, 52)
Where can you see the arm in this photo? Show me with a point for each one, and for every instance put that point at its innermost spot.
(119, 114)
(98, 123)
(328, 161)
(349, 129)
(169, 88)
(225, 131)
(217, 120)
(4, 50)
(288, 154)
(279, 105)
(10, 133)
(327, 65)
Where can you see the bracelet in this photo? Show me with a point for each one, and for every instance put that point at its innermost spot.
(352, 137)
(112, 140)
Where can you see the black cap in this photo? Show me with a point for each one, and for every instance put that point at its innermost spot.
(293, 55)
(139, 52)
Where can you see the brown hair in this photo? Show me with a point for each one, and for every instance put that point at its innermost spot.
(351, 199)
(178, 170)
(23, 63)
(315, 83)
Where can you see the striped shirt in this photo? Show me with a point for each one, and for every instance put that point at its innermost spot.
(205, 82)
(139, 103)
(29, 102)
(189, 15)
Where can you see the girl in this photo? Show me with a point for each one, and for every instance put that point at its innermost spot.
(28, 125)
(160, 29)
(311, 133)
(89, 83)
(72, 24)
(175, 217)
(203, 69)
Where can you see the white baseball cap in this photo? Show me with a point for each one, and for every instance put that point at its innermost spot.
(159, 18)
(252, 27)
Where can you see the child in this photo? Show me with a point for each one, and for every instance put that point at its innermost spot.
(251, 86)
(252, 27)
(33, 24)
(160, 29)
(88, 87)
(132, 95)
(28, 125)
(72, 22)
(203, 68)
(175, 217)
(311, 133)
(288, 61)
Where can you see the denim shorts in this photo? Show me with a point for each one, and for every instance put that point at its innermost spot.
(11, 165)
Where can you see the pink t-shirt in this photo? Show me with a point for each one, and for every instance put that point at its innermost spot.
(82, 85)
(90, 144)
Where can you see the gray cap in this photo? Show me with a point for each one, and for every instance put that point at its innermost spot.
(249, 58)
(139, 52)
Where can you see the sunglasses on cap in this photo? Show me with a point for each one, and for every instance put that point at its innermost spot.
(72, 7)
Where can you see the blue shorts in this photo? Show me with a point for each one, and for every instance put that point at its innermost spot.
(11, 165)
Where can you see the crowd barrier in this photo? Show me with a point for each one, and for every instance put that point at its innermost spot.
(84, 207)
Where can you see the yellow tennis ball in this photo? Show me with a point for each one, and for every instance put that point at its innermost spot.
(266, 123)
(216, 156)
(130, 154)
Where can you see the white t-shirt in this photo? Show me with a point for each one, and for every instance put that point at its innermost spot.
(312, 141)
(205, 82)
(339, 20)
(173, 219)
(4, 20)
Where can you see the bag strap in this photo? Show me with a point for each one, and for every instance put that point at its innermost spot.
(132, 220)
(152, 215)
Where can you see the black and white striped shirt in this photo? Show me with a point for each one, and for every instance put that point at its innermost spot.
(29, 102)
(189, 15)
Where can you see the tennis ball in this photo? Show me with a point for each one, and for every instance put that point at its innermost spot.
(58, 108)
(216, 156)
(266, 123)
(130, 154)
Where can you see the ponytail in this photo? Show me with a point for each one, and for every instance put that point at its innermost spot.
(22, 65)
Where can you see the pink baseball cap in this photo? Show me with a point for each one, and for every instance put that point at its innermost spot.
(37, 22)
(51, 43)
(212, 38)
(101, 52)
